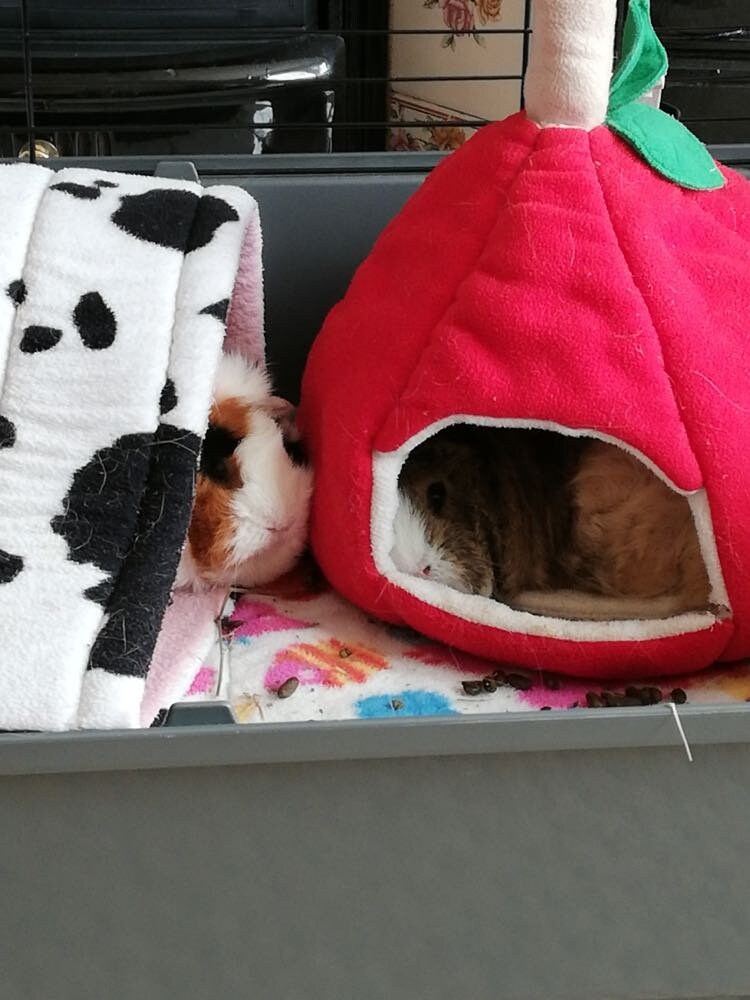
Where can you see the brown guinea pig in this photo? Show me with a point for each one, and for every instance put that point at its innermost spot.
(440, 530)
(493, 507)
(565, 526)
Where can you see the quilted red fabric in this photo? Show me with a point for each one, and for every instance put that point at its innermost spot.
(548, 275)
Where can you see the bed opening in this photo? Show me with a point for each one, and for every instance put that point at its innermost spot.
(541, 529)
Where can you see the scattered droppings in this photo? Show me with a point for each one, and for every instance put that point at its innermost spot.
(288, 688)
(679, 697)
(519, 682)
(644, 695)
(546, 708)
(634, 697)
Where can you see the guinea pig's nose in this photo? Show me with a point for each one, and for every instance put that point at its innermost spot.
(426, 570)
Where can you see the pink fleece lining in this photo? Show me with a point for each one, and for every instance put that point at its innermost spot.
(189, 623)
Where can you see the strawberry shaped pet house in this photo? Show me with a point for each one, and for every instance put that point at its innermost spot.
(584, 267)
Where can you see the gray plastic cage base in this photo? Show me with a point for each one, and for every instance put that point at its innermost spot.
(482, 876)
(553, 856)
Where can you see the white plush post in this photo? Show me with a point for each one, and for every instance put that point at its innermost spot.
(570, 68)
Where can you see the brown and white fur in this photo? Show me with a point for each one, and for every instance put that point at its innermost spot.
(566, 527)
(250, 515)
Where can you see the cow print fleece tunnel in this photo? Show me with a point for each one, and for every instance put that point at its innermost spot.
(114, 291)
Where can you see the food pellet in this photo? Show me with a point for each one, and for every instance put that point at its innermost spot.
(489, 684)
(519, 682)
(472, 687)
(288, 688)
(679, 697)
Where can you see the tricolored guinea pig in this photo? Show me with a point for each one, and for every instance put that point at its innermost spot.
(250, 516)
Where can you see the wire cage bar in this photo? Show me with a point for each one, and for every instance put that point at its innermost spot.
(338, 77)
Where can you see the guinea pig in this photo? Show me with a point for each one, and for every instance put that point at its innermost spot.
(571, 527)
(439, 528)
(495, 504)
(250, 514)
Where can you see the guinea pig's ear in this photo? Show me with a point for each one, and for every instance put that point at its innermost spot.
(284, 414)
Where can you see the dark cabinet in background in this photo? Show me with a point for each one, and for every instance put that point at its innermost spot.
(193, 77)
(166, 77)
(709, 81)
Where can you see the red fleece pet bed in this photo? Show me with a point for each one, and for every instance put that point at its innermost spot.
(583, 267)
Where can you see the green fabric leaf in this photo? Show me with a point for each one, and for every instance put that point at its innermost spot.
(644, 59)
(667, 146)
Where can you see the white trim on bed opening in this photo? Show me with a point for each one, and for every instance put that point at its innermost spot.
(485, 611)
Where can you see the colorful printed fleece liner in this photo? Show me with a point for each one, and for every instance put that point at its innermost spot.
(301, 639)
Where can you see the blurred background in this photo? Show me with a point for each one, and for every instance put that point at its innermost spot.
(191, 78)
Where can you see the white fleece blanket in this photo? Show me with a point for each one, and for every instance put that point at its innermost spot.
(114, 291)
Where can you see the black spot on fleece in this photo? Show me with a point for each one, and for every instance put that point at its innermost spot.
(100, 511)
(10, 566)
(139, 599)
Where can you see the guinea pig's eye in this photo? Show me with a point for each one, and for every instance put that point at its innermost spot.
(295, 451)
(436, 497)
(219, 445)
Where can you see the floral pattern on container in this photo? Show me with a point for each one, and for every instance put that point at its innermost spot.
(462, 16)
